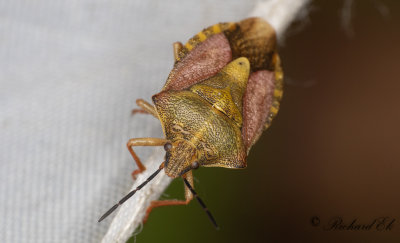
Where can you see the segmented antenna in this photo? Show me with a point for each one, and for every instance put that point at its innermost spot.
(130, 194)
(202, 204)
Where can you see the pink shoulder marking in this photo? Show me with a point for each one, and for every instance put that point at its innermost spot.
(204, 61)
(257, 102)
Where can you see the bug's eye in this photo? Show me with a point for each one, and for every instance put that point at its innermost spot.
(195, 165)
(168, 146)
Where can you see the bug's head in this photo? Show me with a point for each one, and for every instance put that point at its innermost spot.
(181, 156)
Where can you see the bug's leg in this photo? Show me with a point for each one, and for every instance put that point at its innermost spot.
(142, 142)
(146, 108)
(177, 48)
(188, 198)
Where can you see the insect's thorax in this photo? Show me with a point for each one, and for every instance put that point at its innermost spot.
(204, 121)
(186, 116)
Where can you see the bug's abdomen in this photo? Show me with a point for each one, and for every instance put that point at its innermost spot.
(254, 39)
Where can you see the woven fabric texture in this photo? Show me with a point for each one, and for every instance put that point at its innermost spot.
(70, 74)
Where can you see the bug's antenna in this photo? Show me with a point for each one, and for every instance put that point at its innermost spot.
(202, 204)
(130, 194)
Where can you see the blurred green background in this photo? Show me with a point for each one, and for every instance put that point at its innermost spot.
(332, 151)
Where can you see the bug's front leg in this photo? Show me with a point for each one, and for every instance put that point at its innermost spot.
(188, 198)
(142, 142)
(177, 48)
(146, 108)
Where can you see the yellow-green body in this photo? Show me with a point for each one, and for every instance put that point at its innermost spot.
(223, 91)
(203, 122)
(203, 119)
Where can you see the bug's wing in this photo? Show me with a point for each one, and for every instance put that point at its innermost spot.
(256, 40)
(261, 102)
(203, 56)
(256, 105)
(206, 53)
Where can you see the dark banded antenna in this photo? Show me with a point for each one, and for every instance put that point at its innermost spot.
(112, 209)
(202, 204)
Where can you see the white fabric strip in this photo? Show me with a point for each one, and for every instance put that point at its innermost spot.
(70, 72)
(279, 13)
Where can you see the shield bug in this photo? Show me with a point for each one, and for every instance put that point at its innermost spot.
(223, 91)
